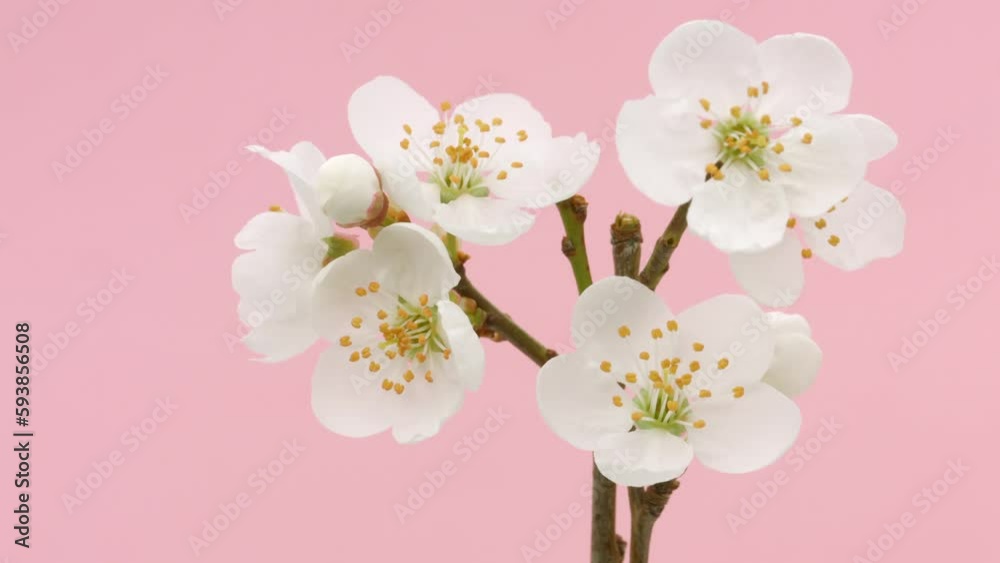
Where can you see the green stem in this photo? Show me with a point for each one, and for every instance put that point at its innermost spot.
(574, 212)
(453, 245)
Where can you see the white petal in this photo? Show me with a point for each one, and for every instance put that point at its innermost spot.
(277, 340)
(576, 401)
(879, 138)
(419, 199)
(421, 409)
(565, 165)
(274, 230)
(413, 261)
(468, 360)
(745, 434)
(796, 363)
(730, 327)
(606, 306)
(348, 189)
(745, 217)
(773, 277)
(785, 323)
(808, 74)
(484, 220)
(705, 59)
(516, 113)
(868, 226)
(663, 149)
(346, 399)
(825, 170)
(377, 112)
(301, 163)
(643, 457)
(335, 303)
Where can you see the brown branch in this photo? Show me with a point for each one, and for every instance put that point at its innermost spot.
(659, 261)
(501, 324)
(646, 506)
(606, 546)
(574, 247)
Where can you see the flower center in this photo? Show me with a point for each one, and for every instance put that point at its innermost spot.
(460, 159)
(746, 139)
(662, 389)
(410, 336)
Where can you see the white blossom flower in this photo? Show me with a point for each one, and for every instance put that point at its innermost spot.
(648, 392)
(745, 131)
(796, 359)
(403, 354)
(478, 169)
(285, 253)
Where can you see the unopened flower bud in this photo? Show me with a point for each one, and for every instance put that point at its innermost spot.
(349, 190)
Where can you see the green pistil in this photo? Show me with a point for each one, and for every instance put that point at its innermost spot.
(748, 127)
(469, 182)
(653, 403)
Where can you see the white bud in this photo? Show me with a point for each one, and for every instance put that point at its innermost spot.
(348, 189)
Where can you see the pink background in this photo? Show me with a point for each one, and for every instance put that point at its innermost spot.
(164, 335)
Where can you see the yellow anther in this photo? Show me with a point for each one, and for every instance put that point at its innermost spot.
(405, 143)
(502, 175)
(665, 364)
(275, 209)
(821, 224)
(445, 106)
(361, 292)
(438, 161)
(423, 300)
(796, 121)
(497, 121)
(765, 86)
(698, 346)
(807, 138)
(439, 127)
(399, 388)
(723, 363)
(672, 405)
(785, 167)
(790, 223)
(807, 253)
(421, 357)
(718, 176)
(483, 127)
(832, 209)
(483, 154)
(355, 356)
(752, 91)
(738, 392)
(655, 376)
(834, 240)
(459, 119)
(606, 366)
(374, 366)
(735, 111)
(386, 384)
(516, 164)
(765, 119)
(455, 179)
(366, 352)
(428, 377)
(672, 326)
(408, 376)
(686, 379)
(694, 366)
(705, 105)
(435, 144)
(356, 322)
(711, 169)
(381, 315)
(500, 140)
(706, 123)
(617, 401)
(763, 174)
(345, 341)
(637, 416)
(391, 354)
(778, 148)
(446, 353)
(656, 333)
(631, 377)
(373, 286)
(699, 423)
(704, 393)
(408, 129)
(644, 355)
(624, 331)
(522, 135)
